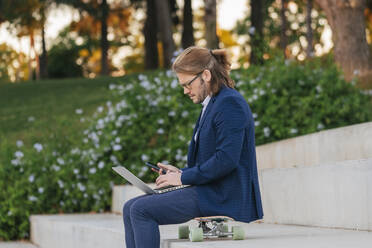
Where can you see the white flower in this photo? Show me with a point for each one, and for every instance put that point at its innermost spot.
(117, 140)
(15, 162)
(112, 86)
(38, 147)
(100, 109)
(293, 131)
(81, 187)
(31, 178)
(10, 213)
(79, 111)
(172, 113)
(144, 157)
(320, 126)
(31, 119)
(32, 198)
(18, 154)
(319, 89)
(252, 30)
(61, 184)
(92, 170)
(76, 171)
(19, 143)
(82, 119)
(116, 147)
(101, 164)
(160, 131)
(41, 190)
(56, 167)
(161, 121)
(256, 123)
(266, 131)
(254, 115)
(60, 161)
(185, 113)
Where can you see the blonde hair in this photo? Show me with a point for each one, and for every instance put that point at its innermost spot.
(194, 60)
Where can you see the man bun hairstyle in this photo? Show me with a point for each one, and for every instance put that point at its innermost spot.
(194, 60)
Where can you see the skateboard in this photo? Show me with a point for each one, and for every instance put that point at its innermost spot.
(211, 227)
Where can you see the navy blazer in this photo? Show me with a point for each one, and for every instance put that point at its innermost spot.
(222, 160)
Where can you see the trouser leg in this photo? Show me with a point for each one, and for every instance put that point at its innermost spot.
(148, 212)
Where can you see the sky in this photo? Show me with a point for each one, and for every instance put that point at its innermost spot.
(227, 15)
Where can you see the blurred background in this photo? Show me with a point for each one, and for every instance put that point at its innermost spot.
(86, 85)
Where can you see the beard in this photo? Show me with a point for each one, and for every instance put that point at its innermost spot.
(203, 92)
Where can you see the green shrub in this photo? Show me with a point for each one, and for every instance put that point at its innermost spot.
(153, 121)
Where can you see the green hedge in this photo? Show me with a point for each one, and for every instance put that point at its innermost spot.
(153, 121)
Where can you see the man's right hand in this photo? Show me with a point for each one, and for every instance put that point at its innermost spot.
(167, 168)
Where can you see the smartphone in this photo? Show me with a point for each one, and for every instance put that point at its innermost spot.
(154, 166)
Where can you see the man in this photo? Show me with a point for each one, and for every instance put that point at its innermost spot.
(221, 165)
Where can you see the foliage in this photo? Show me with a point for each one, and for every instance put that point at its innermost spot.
(12, 63)
(152, 120)
(62, 59)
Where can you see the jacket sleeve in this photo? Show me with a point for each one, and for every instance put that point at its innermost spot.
(229, 123)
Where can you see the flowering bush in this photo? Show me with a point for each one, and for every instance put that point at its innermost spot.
(153, 121)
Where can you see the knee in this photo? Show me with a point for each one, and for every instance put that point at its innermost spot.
(127, 208)
(139, 209)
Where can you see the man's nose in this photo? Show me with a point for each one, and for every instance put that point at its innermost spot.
(185, 90)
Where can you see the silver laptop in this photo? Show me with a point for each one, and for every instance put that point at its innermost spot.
(135, 181)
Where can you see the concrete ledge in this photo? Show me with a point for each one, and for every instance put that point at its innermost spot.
(346, 143)
(328, 195)
(121, 194)
(106, 230)
(17, 244)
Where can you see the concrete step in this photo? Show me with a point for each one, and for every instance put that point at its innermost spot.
(336, 195)
(338, 144)
(106, 230)
(17, 244)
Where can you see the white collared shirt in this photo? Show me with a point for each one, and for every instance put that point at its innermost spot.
(205, 104)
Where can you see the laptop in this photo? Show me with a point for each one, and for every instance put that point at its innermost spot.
(135, 181)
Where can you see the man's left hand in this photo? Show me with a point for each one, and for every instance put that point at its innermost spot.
(171, 178)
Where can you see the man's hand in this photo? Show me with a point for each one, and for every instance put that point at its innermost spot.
(167, 168)
(171, 178)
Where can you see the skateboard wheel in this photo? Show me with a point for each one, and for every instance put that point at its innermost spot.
(196, 234)
(183, 232)
(225, 228)
(238, 233)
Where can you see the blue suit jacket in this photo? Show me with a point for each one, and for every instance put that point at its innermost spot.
(222, 160)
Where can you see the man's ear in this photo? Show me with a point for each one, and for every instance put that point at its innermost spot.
(207, 76)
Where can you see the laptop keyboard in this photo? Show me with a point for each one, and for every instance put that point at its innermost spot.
(169, 188)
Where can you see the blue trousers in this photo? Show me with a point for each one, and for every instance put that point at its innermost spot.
(143, 215)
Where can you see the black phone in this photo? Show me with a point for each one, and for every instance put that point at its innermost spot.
(154, 166)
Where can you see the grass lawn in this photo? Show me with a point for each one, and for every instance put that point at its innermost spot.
(30, 110)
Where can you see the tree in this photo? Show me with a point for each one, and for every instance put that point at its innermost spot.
(188, 30)
(348, 26)
(165, 29)
(210, 24)
(283, 30)
(150, 34)
(309, 30)
(256, 33)
(98, 9)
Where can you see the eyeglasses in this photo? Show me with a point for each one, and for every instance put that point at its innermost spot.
(188, 84)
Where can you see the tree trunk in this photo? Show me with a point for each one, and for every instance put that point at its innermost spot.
(188, 30)
(151, 40)
(348, 26)
(104, 41)
(283, 35)
(210, 24)
(309, 30)
(43, 57)
(256, 31)
(165, 28)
